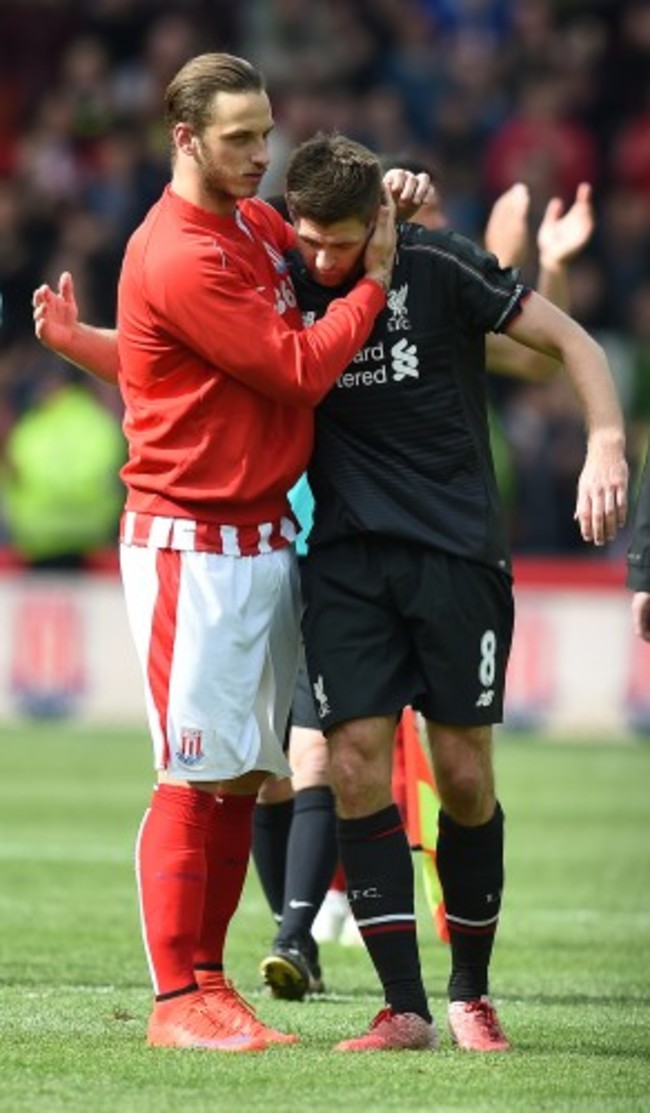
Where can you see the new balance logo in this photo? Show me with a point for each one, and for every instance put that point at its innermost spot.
(404, 357)
(485, 699)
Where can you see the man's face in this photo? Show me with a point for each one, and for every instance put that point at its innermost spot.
(232, 154)
(333, 253)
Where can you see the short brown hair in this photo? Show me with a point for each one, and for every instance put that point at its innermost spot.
(331, 178)
(190, 94)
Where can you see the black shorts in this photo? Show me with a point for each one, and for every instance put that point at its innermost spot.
(388, 623)
(303, 709)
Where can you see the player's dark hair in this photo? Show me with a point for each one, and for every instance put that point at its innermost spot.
(190, 94)
(331, 178)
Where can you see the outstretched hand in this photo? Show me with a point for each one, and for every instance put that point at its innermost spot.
(56, 314)
(562, 235)
(506, 232)
(57, 326)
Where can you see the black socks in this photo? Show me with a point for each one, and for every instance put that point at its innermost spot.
(377, 862)
(312, 854)
(470, 867)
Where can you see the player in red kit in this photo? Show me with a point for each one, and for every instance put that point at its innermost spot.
(218, 382)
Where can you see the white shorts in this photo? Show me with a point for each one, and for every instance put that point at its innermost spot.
(217, 638)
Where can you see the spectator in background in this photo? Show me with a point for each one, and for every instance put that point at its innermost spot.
(333, 48)
(139, 81)
(540, 144)
(631, 157)
(412, 65)
(24, 244)
(116, 191)
(85, 83)
(48, 162)
(629, 58)
(624, 243)
(58, 475)
(491, 18)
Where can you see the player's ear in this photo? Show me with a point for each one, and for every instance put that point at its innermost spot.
(185, 140)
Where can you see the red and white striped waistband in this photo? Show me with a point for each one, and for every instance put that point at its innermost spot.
(153, 531)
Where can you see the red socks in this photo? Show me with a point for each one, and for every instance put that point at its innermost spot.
(172, 871)
(228, 850)
(191, 861)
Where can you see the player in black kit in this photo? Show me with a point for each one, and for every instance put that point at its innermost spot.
(407, 583)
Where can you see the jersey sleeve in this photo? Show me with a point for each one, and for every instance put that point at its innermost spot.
(488, 295)
(206, 302)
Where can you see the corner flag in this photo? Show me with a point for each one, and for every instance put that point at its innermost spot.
(418, 793)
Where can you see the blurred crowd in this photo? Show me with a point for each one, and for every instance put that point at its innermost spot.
(484, 92)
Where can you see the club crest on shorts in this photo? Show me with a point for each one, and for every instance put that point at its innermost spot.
(190, 751)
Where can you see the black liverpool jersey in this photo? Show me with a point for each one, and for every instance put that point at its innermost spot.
(402, 440)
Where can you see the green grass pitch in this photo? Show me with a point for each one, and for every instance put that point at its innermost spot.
(571, 970)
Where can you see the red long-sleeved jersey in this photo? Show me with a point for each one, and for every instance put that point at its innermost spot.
(217, 377)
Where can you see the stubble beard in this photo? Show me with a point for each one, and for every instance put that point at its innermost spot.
(217, 184)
